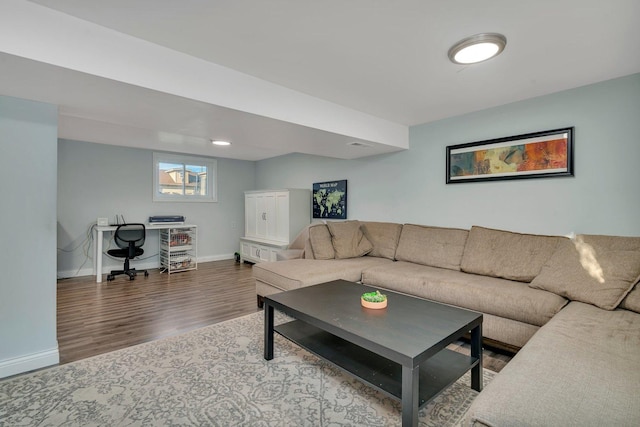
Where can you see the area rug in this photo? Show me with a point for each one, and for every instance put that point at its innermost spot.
(214, 376)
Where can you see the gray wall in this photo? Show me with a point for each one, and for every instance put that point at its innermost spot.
(28, 137)
(96, 180)
(602, 198)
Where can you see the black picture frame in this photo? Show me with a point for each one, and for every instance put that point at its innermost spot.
(533, 155)
(330, 200)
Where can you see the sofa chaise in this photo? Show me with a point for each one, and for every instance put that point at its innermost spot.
(570, 308)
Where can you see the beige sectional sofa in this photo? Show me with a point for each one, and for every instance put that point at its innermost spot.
(568, 304)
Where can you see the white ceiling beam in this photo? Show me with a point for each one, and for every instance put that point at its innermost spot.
(38, 33)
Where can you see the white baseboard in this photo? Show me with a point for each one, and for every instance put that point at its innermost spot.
(29, 362)
(215, 258)
(65, 274)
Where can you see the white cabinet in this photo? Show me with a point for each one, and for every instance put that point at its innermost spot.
(178, 249)
(260, 211)
(255, 251)
(282, 230)
(251, 216)
(272, 219)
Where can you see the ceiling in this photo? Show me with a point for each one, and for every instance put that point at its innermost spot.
(322, 74)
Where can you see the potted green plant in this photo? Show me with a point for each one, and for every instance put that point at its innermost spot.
(375, 300)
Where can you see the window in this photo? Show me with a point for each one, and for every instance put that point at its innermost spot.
(179, 178)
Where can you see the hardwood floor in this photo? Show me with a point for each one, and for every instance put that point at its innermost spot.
(95, 318)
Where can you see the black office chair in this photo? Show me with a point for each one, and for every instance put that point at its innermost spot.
(129, 238)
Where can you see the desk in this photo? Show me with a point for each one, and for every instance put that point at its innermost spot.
(99, 238)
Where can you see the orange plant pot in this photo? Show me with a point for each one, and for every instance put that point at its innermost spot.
(373, 305)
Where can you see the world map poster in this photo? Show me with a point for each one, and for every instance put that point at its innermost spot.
(330, 199)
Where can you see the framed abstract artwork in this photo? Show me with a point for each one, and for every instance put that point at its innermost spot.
(330, 199)
(533, 155)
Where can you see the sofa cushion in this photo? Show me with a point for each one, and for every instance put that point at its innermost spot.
(383, 236)
(348, 239)
(580, 369)
(433, 246)
(308, 250)
(320, 240)
(286, 254)
(297, 273)
(491, 295)
(513, 333)
(505, 254)
(598, 270)
(632, 300)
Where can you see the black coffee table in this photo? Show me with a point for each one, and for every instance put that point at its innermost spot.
(399, 350)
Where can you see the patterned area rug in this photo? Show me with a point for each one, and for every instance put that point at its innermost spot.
(214, 376)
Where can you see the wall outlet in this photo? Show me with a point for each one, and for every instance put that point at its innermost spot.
(103, 221)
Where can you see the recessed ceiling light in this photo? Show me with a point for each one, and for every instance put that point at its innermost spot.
(220, 142)
(477, 48)
(358, 144)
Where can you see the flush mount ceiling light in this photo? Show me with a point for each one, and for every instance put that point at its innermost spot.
(220, 142)
(477, 48)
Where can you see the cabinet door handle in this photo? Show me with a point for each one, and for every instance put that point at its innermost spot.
(258, 252)
(264, 216)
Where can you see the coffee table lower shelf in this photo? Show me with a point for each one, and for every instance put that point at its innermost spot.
(436, 373)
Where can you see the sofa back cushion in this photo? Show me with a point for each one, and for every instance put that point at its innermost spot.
(348, 239)
(320, 240)
(383, 236)
(598, 270)
(632, 300)
(508, 255)
(432, 246)
(308, 250)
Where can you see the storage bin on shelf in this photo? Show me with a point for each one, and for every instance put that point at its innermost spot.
(178, 249)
